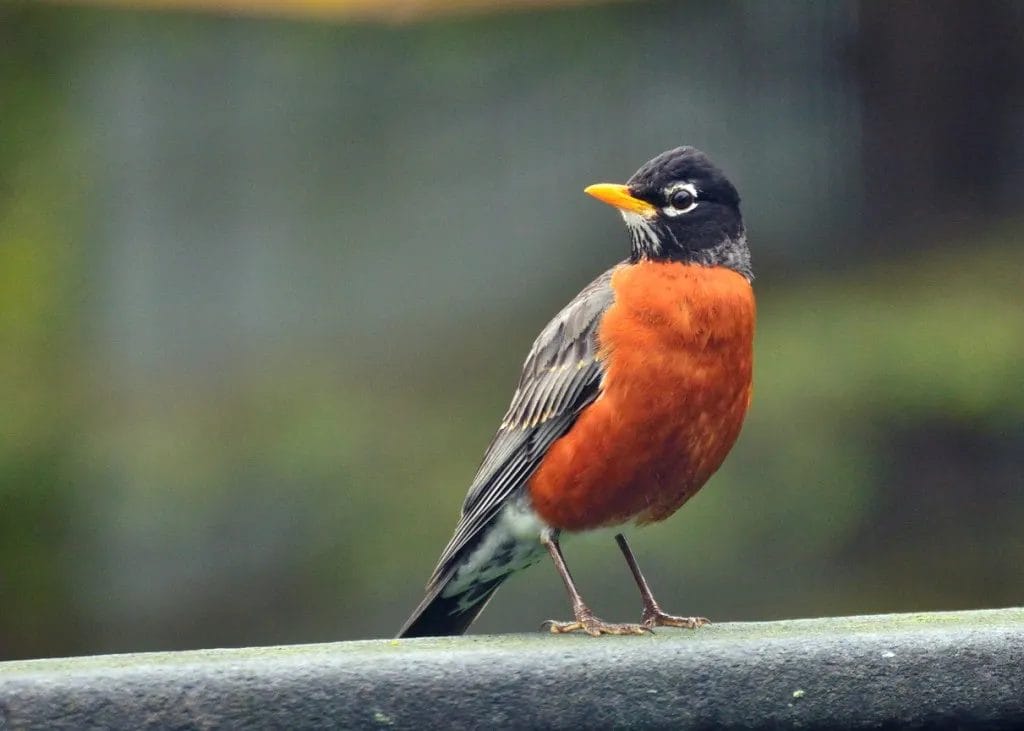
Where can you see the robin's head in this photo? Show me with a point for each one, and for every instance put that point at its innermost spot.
(680, 207)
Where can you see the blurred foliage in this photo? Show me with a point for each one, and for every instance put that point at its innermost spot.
(186, 479)
(39, 292)
(393, 10)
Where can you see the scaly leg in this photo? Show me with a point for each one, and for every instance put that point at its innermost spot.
(585, 619)
(653, 616)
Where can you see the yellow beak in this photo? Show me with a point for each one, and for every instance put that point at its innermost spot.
(619, 196)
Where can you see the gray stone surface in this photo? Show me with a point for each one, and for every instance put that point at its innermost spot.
(956, 670)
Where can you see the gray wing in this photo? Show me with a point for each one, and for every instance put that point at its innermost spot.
(561, 375)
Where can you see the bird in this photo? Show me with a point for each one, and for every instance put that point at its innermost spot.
(629, 400)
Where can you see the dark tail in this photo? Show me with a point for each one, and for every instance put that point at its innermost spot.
(440, 616)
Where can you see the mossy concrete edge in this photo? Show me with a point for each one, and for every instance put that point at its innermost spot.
(888, 623)
(929, 669)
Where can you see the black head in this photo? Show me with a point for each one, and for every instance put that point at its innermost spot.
(680, 207)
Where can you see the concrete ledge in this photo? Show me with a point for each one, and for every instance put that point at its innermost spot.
(958, 669)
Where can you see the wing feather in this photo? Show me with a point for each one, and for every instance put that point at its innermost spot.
(561, 375)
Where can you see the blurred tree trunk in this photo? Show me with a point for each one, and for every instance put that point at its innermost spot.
(940, 141)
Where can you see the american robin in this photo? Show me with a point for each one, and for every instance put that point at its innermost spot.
(628, 402)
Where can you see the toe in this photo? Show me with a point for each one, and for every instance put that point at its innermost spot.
(561, 628)
(669, 620)
(619, 629)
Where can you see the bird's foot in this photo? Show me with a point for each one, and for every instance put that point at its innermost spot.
(656, 618)
(587, 622)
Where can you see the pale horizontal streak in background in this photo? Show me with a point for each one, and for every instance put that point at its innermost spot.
(392, 11)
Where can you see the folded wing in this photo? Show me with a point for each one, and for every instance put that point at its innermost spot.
(561, 375)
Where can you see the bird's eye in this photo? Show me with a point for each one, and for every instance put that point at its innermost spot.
(681, 199)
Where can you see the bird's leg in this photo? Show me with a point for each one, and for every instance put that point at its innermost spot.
(585, 619)
(653, 616)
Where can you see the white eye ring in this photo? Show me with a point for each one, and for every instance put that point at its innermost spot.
(671, 210)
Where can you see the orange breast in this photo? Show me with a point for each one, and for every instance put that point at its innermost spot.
(677, 348)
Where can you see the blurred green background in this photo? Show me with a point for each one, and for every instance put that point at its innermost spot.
(266, 285)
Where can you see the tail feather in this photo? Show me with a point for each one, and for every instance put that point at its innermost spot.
(507, 544)
(443, 616)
